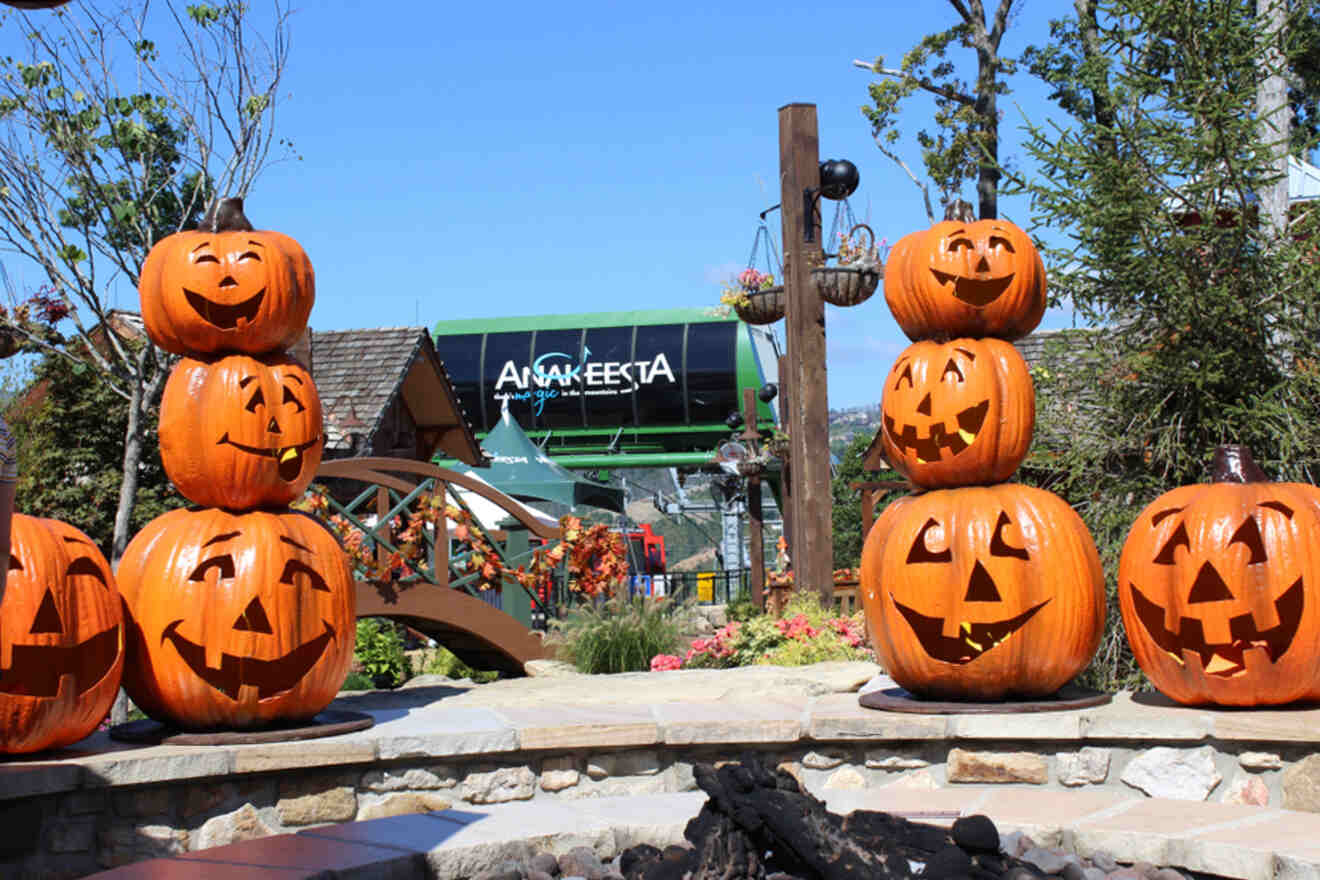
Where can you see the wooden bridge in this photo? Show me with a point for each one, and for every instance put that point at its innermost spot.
(486, 630)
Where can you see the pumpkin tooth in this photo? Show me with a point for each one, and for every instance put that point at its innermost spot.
(215, 653)
(6, 653)
(1176, 658)
(967, 436)
(1219, 663)
(287, 454)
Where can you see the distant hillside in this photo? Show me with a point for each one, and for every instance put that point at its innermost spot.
(845, 424)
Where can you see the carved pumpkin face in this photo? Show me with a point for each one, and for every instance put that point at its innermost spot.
(227, 288)
(236, 620)
(61, 637)
(241, 432)
(979, 593)
(966, 278)
(958, 413)
(1218, 588)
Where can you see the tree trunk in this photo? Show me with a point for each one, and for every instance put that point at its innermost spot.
(145, 392)
(128, 484)
(987, 181)
(1273, 115)
(1101, 101)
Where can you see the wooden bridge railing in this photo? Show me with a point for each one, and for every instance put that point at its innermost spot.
(394, 485)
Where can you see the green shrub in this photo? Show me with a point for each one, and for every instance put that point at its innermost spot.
(742, 608)
(445, 663)
(379, 653)
(356, 681)
(618, 635)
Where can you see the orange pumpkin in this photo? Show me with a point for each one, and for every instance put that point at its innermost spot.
(241, 432)
(224, 287)
(1219, 585)
(983, 592)
(236, 620)
(61, 637)
(966, 278)
(958, 413)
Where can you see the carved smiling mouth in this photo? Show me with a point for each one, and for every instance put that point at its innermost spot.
(1225, 660)
(35, 670)
(290, 458)
(222, 316)
(973, 640)
(930, 448)
(270, 677)
(973, 291)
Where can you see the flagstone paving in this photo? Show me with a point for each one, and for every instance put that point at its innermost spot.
(611, 726)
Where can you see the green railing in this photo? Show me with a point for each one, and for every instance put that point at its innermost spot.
(395, 486)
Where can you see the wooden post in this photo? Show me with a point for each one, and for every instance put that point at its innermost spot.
(808, 423)
(754, 537)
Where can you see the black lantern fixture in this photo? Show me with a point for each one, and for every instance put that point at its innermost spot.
(734, 420)
(839, 179)
(769, 391)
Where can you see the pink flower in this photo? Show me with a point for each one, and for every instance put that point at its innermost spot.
(665, 662)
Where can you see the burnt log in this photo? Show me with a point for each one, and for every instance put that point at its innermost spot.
(759, 824)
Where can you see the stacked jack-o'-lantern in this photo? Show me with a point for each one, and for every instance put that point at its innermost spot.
(240, 612)
(978, 589)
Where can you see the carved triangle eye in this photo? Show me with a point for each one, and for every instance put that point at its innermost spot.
(921, 553)
(1000, 547)
(1178, 539)
(906, 374)
(1248, 534)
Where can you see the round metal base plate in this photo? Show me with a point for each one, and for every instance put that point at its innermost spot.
(896, 699)
(328, 723)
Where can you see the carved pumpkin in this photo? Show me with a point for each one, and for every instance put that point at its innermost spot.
(236, 620)
(61, 637)
(966, 278)
(1219, 585)
(241, 432)
(958, 413)
(225, 287)
(982, 592)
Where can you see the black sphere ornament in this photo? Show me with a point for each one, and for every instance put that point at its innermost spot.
(838, 178)
(769, 391)
(734, 420)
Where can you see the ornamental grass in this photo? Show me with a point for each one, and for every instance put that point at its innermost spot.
(618, 634)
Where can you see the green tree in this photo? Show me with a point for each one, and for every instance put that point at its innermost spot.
(964, 144)
(848, 537)
(112, 140)
(70, 432)
(1208, 320)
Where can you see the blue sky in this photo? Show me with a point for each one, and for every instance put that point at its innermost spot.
(473, 160)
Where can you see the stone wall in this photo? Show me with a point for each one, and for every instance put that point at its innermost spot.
(82, 831)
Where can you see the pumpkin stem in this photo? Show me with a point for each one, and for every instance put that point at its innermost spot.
(226, 215)
(1234, 464)
(960, 210)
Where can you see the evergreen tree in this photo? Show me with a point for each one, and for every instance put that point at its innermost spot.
(70, 433)
(1207, 321)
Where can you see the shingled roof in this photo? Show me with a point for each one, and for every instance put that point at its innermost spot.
(360, 373)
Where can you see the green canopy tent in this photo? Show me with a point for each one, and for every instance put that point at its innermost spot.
(519, 468)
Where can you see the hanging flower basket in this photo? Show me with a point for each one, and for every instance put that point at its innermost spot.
(763, 306)
(847, 285)
(859, 271)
